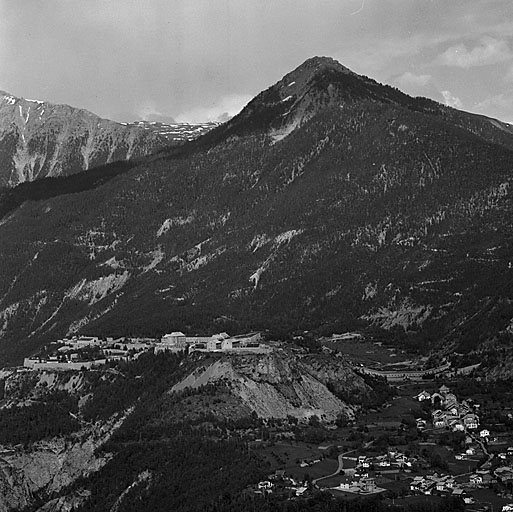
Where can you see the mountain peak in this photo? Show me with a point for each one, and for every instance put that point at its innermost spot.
(305, 72)
(316, 63)
(312, 86)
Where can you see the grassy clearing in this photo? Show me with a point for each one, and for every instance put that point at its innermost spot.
(323, 468)
(288, 455)
(367, 352)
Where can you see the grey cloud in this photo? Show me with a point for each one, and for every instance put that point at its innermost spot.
(488, 51)
(127, 58)
(450, 100)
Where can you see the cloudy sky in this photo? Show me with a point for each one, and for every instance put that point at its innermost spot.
(194, 60)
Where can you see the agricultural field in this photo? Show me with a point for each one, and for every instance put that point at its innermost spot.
(366, 352)
(318, 470)
(282, 455)
(402, 406)
(291, 456)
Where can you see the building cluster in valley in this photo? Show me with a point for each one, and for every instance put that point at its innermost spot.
(405, 374)
(360, 472)
(440, 484)
(80, 352)
(461, 485)
(451, 415)
(449, 412)
(445, 458)
(279, 483)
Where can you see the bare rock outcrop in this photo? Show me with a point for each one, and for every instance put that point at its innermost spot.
(281, 384)
(49, 466)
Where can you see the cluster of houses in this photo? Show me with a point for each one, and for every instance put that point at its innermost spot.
(449, 412)
(389, 462)
(439, 484)
(507, 455)
(223, 342)
(504, 474)
(79, 352)
(359, 471)
(280, 483)
(407, 373)
(461, 485)
(308, 462)
(364, 485)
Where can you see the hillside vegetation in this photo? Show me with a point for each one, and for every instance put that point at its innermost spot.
(331, 202)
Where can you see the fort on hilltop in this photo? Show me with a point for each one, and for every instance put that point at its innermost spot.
(86, 352)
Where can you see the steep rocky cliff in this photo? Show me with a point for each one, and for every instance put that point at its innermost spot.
(31, 471)
(278, 385)
(51, 465)
(126, 418)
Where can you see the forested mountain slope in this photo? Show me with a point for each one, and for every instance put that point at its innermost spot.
(106, 438)
(330, 200)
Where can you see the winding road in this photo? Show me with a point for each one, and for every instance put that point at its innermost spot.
(341, 462)
(339, 469)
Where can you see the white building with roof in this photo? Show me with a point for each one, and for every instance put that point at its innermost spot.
(175, 339)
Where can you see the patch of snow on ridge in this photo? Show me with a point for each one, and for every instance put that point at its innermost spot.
(10, 100)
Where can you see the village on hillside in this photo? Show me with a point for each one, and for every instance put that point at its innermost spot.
(416, 448)
(427, 438)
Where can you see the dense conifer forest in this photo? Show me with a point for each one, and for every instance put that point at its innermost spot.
(381, 208)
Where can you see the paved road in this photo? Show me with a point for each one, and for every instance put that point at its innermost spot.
(341, 462)
(479, 441)
(339, 469)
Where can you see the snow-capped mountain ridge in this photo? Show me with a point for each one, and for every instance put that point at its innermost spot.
(40, 139)
(176, 132)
